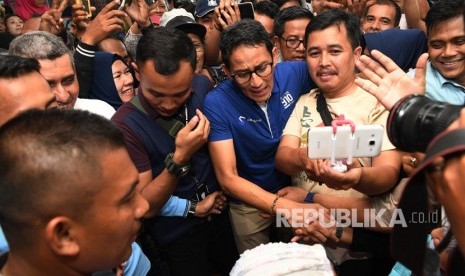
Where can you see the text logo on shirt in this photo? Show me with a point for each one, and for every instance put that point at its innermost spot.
(243, 120)
(287, 100)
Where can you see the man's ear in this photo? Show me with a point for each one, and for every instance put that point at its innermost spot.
(275, 55)
(226, 70)
(357, 52)
(60, 234)
(276, 41)
(136, 70)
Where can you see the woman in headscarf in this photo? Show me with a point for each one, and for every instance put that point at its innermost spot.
(113, 80)
(27, 8)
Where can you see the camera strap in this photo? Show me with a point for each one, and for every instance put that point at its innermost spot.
(322, 108)
(414, 200)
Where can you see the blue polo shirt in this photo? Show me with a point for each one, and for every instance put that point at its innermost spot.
(255, 134)
(441, 89)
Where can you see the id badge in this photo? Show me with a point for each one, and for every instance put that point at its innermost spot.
(202, 191)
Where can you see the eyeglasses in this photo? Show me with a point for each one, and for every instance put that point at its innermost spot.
(263, 70)
(293, 43)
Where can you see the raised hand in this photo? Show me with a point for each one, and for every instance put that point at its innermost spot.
(107, 20)
(51, 20)
(227, 13)
(138, 11)
(387, 81)
(191, 138)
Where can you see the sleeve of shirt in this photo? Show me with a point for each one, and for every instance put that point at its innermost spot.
(84, 62)
(219, 125)
(307, 82)
(135, 146)
(175, 207)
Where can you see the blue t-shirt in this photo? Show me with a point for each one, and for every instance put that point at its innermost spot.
(255, 134)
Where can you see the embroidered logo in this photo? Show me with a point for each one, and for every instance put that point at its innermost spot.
(212, 3)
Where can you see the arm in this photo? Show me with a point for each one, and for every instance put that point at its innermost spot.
(189, 140)
(288, 150)
(104, 23)
(224, 163)
(413, 16)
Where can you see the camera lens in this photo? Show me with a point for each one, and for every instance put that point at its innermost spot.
(416, 120)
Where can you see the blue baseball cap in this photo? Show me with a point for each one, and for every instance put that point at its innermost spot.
(205, 6)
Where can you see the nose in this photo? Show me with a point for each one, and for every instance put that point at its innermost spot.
(255, 80)
(128, 80)
(300, 47)
(449, 50)
(324, 60)
(169, 105)
(376, 26)
(61, 95)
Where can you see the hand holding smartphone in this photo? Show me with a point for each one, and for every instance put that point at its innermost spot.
(86, 6)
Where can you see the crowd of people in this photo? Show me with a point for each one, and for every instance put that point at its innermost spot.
(170, 137)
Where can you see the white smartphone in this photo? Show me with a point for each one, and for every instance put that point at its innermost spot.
(364, 142)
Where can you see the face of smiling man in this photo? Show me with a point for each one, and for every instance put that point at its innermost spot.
(446, 48)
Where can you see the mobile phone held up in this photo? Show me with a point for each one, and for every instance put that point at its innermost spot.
(87, 5)
(364, 142)
(246, 10)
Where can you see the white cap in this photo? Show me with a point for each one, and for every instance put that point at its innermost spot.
(168, 15)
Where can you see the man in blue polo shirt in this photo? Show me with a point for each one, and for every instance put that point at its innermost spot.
(445, 73)
(247, 116)
(166, 136)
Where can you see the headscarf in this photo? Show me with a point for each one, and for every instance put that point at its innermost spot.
(26, 9)
(404, 47)
(103, 85)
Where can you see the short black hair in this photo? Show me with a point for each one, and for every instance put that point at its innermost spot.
(289, 14)
(247, 32)
(15, 66)
(337, 17)
(391, 3)
(442, 11)
(166, 47)
(267, 8)
(50, 165)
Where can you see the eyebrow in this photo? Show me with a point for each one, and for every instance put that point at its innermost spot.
(131, 190)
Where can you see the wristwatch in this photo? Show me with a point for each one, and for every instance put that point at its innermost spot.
(174, 168)
(192, 207)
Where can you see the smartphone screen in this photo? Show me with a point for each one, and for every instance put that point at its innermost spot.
(246, 10)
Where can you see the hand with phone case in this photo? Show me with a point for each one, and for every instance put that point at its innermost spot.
(107, 20)
(227, 13)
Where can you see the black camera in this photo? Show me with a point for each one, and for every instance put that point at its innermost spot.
(415, 120)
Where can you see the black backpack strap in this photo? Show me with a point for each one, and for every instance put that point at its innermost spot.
(172, 126)
(322, 108)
